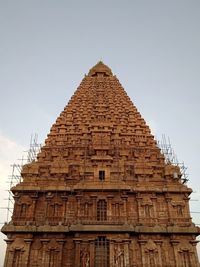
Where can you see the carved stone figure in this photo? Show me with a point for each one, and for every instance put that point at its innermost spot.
(85, 258)
(119, 257)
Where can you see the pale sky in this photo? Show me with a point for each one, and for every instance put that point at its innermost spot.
(47, 46)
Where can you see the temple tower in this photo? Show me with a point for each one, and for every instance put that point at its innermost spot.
(101, 193)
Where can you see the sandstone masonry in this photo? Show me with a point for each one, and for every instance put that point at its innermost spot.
(100, 193)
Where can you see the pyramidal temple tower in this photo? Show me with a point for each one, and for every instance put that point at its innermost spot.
(101, 193)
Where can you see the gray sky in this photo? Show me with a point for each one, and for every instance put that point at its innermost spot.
(46, 47)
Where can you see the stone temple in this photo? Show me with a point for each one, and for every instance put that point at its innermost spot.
(101, 193)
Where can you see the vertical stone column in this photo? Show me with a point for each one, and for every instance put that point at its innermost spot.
(78, 208)
(176, 258)
(125, 213)
(92, 251)
(61, 243)
(154, 209)
(8, 256)
(47, 211)
(94, 208)
(139, 207)
(67, 207)
(194, 256)
(159, 244)
(142, 244)
(126, 253)
(77, 252)
(187, 208)
(64, 209)
(44, 252)
(166, 251)
(112, 263)
(169, 214)
(33, 209)
(11, 258)
(27, 252)
(109, 210)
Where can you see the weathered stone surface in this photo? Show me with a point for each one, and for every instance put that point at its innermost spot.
(100, 192)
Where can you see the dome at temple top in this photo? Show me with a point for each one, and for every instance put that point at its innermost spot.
(100, 68)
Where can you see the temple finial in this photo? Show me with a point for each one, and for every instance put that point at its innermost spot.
(100, 67)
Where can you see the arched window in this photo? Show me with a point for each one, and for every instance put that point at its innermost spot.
(101, 210)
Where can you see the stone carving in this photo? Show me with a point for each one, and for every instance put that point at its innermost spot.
(18, 244)
(119, 257)
(53, 244)
(85, 258)
(150, 246)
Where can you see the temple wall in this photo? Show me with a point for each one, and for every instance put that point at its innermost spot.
(83, 250)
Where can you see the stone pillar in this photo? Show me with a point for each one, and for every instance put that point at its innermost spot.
(169, 215)
(8, 261)
(47, 211)
(11, 258)
(125, 213)
(65, 198)
(166, 250)
(92, 252)
(159, 244)
(68, 211)
(94, 208)
(77, 252)
(126, 253)
(194, 255)
(139, 207)
(154, 215)
(109, 210)
(112, 264)
(44, 252)
(176, 258)
(27, 252)
(78, 208)
(61, 243)
(142, 244)
(33, 209)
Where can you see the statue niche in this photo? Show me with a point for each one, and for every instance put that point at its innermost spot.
(23, 208)
(52, 253)
(36, 253)
(151, 254)
(54, 208)
(186, 254)
(16, 252)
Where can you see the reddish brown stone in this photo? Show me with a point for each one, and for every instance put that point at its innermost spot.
(100, 193)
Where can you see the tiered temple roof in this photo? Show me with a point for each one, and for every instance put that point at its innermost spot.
(100, 192)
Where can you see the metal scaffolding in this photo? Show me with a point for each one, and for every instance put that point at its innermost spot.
(171, 158)
(15, 177)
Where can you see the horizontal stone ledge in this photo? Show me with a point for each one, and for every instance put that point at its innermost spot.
(99, 187)
(9, 228)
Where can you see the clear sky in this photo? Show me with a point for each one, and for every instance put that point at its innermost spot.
(153, 47)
